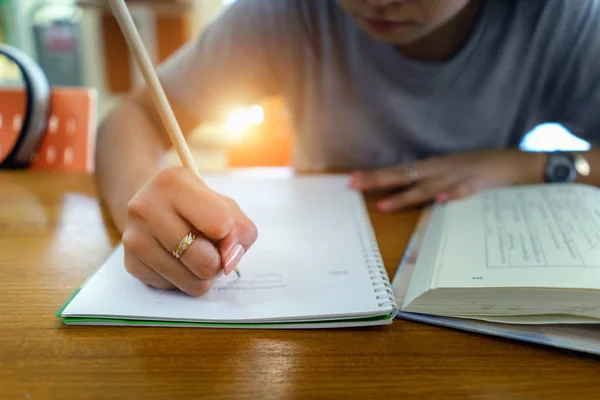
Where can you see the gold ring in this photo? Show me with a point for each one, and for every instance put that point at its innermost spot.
(184, 244)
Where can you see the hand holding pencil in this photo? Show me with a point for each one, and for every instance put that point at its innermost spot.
(180, 233)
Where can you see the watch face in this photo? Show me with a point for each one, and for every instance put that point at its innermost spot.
(561, 173)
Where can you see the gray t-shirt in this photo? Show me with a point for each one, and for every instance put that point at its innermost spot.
(358, 103)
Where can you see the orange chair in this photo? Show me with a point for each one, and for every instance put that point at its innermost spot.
(68, 144)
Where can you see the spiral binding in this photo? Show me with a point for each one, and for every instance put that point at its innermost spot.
(381, 283)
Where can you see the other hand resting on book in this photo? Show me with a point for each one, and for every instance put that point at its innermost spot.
(162, 213)
(450, 177)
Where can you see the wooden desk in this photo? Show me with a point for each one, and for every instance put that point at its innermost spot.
(53, 234)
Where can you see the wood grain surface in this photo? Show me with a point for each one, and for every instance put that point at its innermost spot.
(54, 233)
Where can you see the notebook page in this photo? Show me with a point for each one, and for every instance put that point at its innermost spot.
(524, 236)
(309, 261)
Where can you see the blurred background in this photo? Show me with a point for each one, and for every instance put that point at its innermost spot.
(70, 38)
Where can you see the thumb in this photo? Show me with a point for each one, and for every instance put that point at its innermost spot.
(235, 245)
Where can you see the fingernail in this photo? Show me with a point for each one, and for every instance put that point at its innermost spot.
(356, 180)
(442, 198)
(233, 258)
(384, 206)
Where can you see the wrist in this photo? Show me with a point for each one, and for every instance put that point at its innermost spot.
(116, 190)
(533, 167)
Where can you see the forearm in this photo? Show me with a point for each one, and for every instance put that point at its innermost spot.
(129, 152)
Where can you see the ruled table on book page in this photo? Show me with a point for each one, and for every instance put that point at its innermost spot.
(536, 236)
(552, 226)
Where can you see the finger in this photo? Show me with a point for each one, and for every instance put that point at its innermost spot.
(442, 197)
(385, 178)
(461, 191)
(175, 272)
(421, 193)
(189, 196)
(201, 257)
(160, 220)
(242, 237)
(150, 252)
(411, 197)
(144, 273)
(211, 216)
(393, 177)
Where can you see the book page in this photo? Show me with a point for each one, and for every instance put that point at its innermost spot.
(422, 257)
(309, 262)
(578, 337)
(542, 319)
(530, 236)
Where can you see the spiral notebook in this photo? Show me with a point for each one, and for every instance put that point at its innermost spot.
(315, 264)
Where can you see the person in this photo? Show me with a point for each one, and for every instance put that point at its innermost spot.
(428, 99)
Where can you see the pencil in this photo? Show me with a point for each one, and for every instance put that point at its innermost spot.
(134, 41)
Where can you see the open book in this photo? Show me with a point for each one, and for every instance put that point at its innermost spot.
(315, 264)
(521, 255)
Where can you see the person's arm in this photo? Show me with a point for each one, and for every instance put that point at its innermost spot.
(157, 208)
(230, 62)
(131, 145)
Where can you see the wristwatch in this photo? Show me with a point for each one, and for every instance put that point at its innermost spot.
(563, 167)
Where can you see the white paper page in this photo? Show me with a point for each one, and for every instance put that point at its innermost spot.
(533, 319)
(308, 261)
(577, 337)
(423, 270)
(523, 236)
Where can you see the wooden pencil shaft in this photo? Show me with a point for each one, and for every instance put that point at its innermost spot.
(159, 97)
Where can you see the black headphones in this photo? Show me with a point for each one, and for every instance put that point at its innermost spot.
(35, 121)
